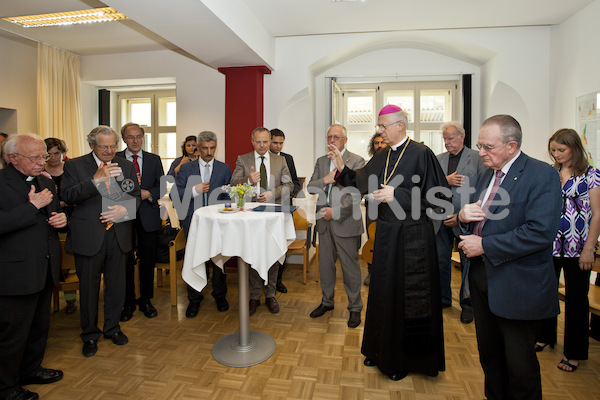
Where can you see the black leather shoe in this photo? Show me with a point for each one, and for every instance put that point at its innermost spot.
(252, 306)
(222, 304)
(466, 315)
(148, 309)
(398, 376)
(272, 304)
(43, 376)
(21, 394)
(90, 347)
(118, 338)
(280, 287)
(192, 309)
(369, 362)
(319, 311)
(354, 319)
(127, 313)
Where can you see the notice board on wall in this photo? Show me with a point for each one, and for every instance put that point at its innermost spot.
(588, 125)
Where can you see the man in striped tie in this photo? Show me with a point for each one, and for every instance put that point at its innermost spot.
(509, 231)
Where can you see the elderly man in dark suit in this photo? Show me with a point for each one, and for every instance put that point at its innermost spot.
(30, 215)
(462, 167)
(202, 181)
(148, 168)
(277, 139)
(511, 229)
(339, 223)
(271, 172)
(105, 192)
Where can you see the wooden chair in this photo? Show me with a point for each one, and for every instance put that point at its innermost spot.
(303, 242)
(173, 265)
(67, 266)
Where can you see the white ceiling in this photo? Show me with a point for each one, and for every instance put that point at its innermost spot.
(241, 32)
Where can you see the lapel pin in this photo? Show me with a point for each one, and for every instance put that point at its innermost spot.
(515, 178)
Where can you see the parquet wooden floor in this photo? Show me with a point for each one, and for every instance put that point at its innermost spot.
(169, 357)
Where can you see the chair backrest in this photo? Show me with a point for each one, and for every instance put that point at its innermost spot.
(300, 222)
(171, 212)
(179, 242)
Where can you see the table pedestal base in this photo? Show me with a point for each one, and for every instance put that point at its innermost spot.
(243, 348)
(228, 350)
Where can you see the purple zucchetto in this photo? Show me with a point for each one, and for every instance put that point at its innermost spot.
(389, 109)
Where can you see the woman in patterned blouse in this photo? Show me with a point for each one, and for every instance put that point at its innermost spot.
(575, 244)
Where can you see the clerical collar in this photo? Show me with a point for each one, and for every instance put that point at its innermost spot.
(395, 147)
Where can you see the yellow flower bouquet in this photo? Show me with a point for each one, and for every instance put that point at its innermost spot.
(238, 193)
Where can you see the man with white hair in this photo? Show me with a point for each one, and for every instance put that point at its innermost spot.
(30, 216)
(105, 192)
(462, 167)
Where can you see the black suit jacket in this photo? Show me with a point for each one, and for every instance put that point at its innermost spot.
(152, 170)
(78, 188)
(292, 167)
(27, 241)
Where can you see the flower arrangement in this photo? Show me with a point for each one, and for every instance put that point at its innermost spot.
(238, 193)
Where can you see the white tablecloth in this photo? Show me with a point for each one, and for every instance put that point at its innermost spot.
(259, 238)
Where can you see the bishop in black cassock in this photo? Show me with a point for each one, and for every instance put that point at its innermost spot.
(403, 328)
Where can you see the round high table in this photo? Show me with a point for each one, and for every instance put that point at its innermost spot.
(258, 239)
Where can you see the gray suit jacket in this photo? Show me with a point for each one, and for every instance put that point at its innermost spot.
(346, 225)
(280, 182)
(469, 165)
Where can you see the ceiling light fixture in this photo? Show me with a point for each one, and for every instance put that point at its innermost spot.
(105, 14)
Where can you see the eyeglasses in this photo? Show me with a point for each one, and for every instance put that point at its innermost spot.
(104, 148)
(488, 147)
(134, 138)
(36, 158)
(384, 126)
(334, 137)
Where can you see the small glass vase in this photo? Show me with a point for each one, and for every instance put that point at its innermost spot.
(240, 201)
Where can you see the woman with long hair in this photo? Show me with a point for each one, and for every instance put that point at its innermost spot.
(575, 244)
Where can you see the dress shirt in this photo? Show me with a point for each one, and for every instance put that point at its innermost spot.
(257, 161)
(202, 165)
(505, 170)
(140, 159)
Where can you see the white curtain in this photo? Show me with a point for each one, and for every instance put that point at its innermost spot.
(59, 98)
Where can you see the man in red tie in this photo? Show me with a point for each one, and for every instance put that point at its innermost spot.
(149, 169)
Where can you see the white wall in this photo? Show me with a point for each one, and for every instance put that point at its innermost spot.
(510, 66)
(200, 89)
(574, 64)
(18, 82)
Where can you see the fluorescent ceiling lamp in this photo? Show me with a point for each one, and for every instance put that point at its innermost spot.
(105, 14)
